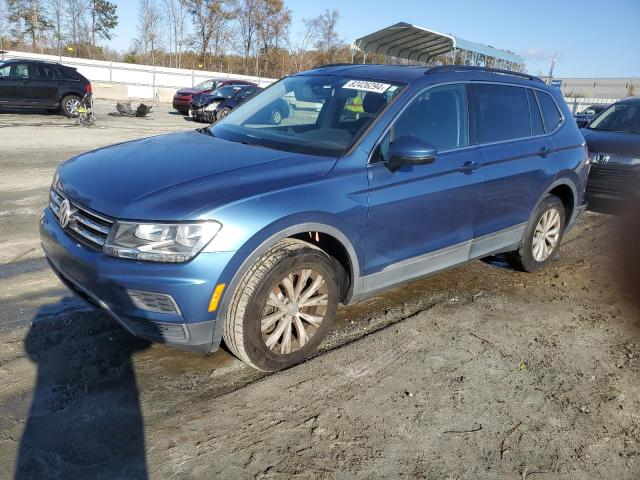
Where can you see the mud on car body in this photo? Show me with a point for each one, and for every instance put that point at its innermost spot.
(262, 230)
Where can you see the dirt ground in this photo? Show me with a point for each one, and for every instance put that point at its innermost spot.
(478, 372)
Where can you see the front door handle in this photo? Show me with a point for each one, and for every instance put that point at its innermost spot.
(544, 151)
(469, 167)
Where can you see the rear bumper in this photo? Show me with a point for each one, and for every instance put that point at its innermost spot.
(106, 282)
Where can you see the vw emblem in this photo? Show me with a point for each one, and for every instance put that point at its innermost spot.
(64, 213)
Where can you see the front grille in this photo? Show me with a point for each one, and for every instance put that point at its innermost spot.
(84, 225)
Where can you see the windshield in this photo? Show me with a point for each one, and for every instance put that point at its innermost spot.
(206, 85)
(618, 118)
(225, 92)
(320, 115)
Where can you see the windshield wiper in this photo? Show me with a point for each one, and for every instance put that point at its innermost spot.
(205, 131)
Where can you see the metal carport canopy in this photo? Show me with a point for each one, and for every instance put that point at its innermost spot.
(419, 44)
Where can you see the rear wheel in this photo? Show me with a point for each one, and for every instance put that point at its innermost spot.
(283, 307)
(542, 237)
(69, 105)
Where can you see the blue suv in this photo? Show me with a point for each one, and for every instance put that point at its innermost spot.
(254, 233)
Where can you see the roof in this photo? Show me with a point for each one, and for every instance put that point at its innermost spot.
(630, 100)
(30, 60)
(420, 44)
(411, 73)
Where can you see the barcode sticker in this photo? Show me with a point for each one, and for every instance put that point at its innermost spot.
(366, 86)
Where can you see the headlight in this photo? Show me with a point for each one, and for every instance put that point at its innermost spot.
(211, 107)
(160, 242)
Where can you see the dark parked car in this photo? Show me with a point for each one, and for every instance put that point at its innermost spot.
(218, 104)
(37, 84)
(182, 98)
(255, 232)
(613, 139)
(589, 113)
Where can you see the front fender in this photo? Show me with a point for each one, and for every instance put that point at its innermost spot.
(257, 245)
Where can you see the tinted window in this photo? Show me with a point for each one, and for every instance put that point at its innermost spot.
(503, 113)
(19, 70)
(44, 72)
(438, 116)
(622, 117)
(5, 70)
(536, 118)
(550, 113)
(69, 73)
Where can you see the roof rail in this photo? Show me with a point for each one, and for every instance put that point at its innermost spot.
(462, 68)
(327, 65)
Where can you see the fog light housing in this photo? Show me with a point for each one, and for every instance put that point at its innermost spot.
(154, 302)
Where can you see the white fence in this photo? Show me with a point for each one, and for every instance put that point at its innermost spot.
(119, 81)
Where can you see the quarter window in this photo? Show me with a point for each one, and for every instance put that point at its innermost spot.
(537, 127)
(503, 113)
(550, 113)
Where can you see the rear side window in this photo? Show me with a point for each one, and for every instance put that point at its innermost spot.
(537, 128)
(503, 112)
(70, 74)
(550, 113)
(45, 72)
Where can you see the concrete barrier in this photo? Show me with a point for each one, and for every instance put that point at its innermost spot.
(121, 81)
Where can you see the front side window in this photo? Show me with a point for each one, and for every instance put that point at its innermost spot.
(618, 118)
(15, 70)
(438, 117)
(5, 70)
(503, 113)
(315, 114)
(550, 113)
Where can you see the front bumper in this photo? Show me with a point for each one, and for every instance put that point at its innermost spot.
(613, 182)
(182, 103)
(105, 282)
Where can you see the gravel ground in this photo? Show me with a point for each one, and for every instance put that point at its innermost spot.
(479, 372)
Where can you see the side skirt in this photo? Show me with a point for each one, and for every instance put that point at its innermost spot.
(438, 260)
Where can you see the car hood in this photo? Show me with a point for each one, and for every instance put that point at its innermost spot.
(620, 143)
(171, 177)
(203, 99)
(190, 91)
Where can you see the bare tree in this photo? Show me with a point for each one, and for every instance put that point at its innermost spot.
(248, 13)
(210, 20)
(75, 13)
(299, 50)
(327, 40)
(57, 10)
(3, 23)
(273, 28)
(149, 37)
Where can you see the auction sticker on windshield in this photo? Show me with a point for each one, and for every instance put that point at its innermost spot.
(367, 86)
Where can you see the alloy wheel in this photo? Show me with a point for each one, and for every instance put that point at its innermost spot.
(546, 235)
(294, 311)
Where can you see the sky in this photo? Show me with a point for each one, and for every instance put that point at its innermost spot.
(592, 38)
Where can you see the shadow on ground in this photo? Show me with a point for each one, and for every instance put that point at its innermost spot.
(85, 419)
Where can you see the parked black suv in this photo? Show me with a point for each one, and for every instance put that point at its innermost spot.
(37, 84)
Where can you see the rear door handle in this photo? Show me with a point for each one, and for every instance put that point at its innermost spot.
(544, 151)
(469, 167)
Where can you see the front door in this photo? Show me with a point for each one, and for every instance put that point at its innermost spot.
(15, 84)
(421, 216)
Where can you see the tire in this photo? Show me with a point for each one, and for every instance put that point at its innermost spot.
(223, 113)
(529, 257)
(69, 104)
(253, 303)
(276, 117)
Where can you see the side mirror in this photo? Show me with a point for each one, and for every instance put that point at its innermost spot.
(410, 151)
(240, 98)
(582, 123)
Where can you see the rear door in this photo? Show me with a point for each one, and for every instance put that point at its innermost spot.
(45, 83)
(421, 216)
(517, 162)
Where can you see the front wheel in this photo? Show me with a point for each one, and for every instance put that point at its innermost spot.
(276, 116)
(283, 307)
(542, 236)
(223, 113)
